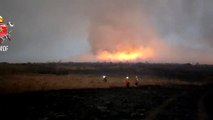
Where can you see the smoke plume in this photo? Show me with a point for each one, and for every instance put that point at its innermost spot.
(174, 31)
(98, 30)
(125, 27)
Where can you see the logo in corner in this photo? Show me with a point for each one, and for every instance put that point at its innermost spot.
(5, 32)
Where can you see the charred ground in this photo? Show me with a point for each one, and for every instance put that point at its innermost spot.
(176, 91)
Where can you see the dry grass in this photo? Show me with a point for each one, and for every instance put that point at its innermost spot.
(35, 82)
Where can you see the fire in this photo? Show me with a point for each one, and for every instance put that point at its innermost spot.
(125, 55)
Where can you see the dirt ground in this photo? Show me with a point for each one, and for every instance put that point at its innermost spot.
(142, 103)
(76, 91)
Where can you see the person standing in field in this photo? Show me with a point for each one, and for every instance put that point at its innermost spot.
(127, 82)
(105, 78)
(136, 81)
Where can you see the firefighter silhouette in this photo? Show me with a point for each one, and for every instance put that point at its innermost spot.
(136, 81)
(127, 82)
(105, 78)
(4, 33)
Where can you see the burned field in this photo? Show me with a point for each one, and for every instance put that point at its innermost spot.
(76, 91)
(148, 102)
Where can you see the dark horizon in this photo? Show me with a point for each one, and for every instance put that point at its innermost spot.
(110, 62)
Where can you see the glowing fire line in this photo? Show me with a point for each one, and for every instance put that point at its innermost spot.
(125, 55)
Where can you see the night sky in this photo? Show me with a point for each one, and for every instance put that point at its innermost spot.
(76, 30)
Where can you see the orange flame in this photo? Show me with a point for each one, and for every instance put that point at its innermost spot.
(125, 55)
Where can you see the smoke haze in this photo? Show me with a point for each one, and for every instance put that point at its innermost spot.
(176, 31)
